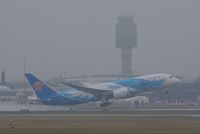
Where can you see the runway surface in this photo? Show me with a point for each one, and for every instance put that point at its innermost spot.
(134, 113)
(47, 111)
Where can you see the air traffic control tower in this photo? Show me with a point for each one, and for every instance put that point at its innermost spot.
(126, 39)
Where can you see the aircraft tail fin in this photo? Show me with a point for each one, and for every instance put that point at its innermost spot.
(41, 89)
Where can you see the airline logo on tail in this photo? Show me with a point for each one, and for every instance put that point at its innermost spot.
(38, 86)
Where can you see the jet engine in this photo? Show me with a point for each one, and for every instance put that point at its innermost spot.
(123, 93)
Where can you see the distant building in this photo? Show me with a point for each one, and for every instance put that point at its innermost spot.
(6, 93)
(3, 78)
(126, 39)
(141, 100)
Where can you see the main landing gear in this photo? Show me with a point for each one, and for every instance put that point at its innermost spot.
(105, 103)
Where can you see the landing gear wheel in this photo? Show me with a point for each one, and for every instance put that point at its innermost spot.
(105, 104)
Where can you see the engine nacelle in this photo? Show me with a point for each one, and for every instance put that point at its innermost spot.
(123, 93)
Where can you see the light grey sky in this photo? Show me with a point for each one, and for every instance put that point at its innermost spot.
(78, 37)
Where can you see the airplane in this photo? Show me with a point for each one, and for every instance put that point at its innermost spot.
(118, 89)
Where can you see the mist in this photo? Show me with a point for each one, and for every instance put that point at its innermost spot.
(78, 37)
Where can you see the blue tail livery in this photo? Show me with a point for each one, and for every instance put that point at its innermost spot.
(41, 89)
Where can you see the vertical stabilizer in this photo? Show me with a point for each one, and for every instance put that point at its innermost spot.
(41, 89)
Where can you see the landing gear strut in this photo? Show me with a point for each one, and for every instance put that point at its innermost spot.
(105, 103)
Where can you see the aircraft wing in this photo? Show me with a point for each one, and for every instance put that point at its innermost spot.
(87, 89)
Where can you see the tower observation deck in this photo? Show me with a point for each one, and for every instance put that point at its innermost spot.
(126, 39)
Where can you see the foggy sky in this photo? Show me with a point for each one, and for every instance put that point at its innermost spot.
(78, 37)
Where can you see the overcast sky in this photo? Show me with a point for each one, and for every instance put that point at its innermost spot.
(78, 37)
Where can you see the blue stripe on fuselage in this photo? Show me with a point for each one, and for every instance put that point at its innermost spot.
(140, 84)
(76, 95)
(63, 98)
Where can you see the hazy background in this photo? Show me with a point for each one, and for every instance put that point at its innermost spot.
(78, 37)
